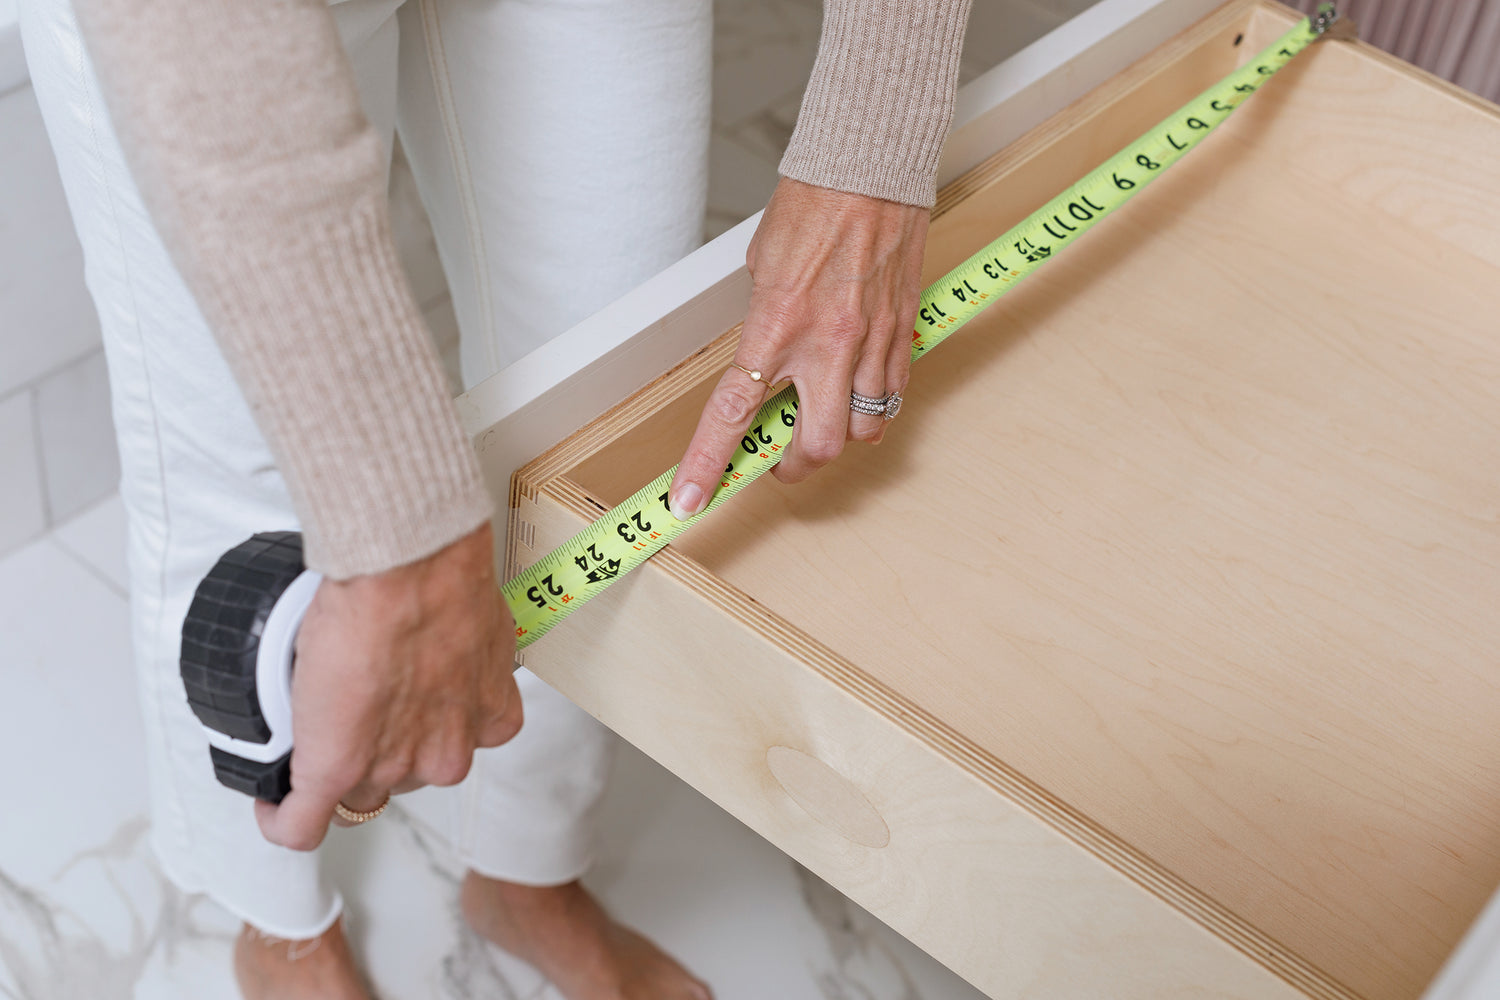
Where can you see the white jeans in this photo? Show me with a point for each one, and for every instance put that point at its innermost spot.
(542, 133)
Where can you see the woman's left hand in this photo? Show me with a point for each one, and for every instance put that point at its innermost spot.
(837, 277)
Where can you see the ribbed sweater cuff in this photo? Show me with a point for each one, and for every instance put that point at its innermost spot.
(348, 389)
(880, 99)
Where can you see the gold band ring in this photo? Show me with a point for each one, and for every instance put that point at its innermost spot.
(351, 816)
(755, 376)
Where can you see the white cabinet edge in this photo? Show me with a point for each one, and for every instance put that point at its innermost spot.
(1473, 970)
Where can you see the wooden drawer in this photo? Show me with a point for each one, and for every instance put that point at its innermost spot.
(1155, 652)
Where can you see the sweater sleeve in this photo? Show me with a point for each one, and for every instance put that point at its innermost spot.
(880, 100)
(242, 126)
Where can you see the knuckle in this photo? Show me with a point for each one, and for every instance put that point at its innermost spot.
(846, 327)
(331, 777)
(449, 767)
(821, 450)
(773, 315)
(864, 430)
(391, 772)
(733, 405)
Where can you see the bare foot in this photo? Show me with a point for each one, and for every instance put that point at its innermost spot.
(272, 968)
(569, 938)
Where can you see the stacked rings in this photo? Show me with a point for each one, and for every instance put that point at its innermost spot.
(885, 407)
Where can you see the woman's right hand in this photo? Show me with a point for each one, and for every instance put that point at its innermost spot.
(400, 676)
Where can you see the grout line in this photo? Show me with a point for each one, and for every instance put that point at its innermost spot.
(47, 373)
(88, 566)
(41, 457)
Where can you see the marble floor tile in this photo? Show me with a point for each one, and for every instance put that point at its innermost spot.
(67, 708)
(740, 178)
(85, 911)
(763, 51)
(998, 31)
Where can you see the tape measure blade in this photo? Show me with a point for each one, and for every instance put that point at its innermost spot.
(631, 532)
(626, 535)
(961, 294)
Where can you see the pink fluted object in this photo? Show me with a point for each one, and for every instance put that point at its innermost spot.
(1459, 40)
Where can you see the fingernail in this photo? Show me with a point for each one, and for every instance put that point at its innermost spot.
(686, 502)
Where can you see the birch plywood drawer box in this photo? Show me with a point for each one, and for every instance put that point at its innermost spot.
(1154, 654)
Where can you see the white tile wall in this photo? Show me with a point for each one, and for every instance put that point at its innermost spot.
(48, 318)
(22, 514)
(12, 59)
(51, 365)
(79, 461)
(763, 52)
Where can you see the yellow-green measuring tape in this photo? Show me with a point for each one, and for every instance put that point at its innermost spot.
(628, 535)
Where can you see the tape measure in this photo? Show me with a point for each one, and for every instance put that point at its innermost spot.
(626, 536)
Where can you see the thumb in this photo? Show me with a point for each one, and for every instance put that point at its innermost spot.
(300, 821)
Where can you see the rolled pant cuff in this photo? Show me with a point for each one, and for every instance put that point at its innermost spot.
(290, 932)
(535, 862)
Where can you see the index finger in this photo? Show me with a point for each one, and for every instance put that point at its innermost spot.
(726, 417)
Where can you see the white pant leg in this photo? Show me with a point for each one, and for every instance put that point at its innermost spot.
(196, 475)
(561, 148)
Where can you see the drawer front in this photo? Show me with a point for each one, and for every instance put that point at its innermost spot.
(884, 808)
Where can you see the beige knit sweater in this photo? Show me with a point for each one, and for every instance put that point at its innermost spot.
(242, 126)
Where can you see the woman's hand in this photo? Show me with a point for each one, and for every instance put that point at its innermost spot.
(399, 677)
(837, 278)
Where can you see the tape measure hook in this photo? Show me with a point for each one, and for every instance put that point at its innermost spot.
(1327, 22)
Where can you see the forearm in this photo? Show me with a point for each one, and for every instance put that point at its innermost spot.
(243, 129)
(880, 99)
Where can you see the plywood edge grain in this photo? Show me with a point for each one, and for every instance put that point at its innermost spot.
(618, 419)
(995, 889)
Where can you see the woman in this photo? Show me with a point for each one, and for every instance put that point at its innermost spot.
(269, 369)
